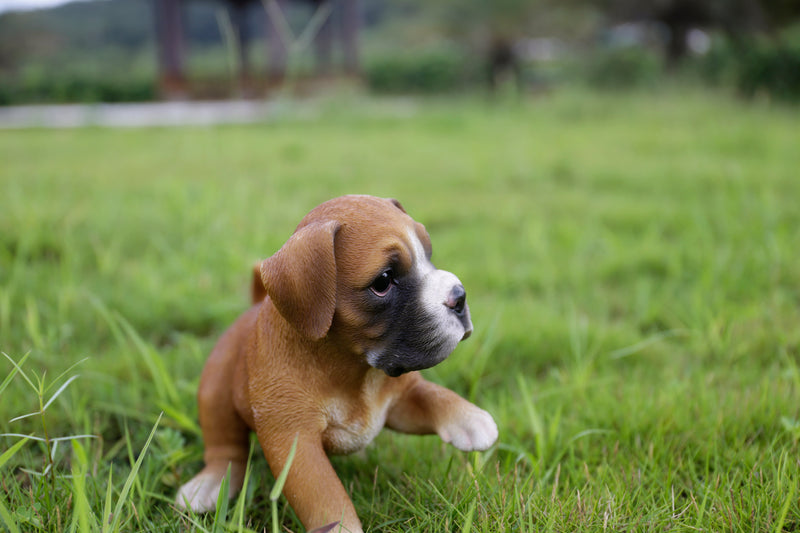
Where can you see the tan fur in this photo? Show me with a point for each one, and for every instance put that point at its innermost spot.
(293, 366)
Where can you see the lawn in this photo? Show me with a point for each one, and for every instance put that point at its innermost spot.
(632, 269)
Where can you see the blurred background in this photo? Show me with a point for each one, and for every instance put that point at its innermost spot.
(145, 50)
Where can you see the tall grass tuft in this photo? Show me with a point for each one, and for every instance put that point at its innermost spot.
(48, 476)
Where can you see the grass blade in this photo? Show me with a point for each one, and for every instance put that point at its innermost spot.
(5, 308)
(113, 523)
(59, 391)
(20, 435)
(9, 453)
(8, 519)
(32, 323)
(81, 516)
(73, 437)
(67, 371)
(275, 493)
(5, 514)
(16, 369)
(42, 439)
(22, 417)
(468, 519)
(106, 517)
(641, 345)
(113, 324)
(785, 509)
(536, 424)
(238, 516)
(790, 498)
(183, 420)
(155, 364)
(221, 512)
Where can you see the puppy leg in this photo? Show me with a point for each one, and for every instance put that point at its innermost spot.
(201, 492)
(425, 408)
(226, 439)
(312, 487)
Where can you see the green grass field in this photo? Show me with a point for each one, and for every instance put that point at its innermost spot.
(632, 269)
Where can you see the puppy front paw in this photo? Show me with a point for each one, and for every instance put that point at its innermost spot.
(200, 493)
(470, 430)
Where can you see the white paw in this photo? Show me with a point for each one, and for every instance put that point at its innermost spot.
(472, 429)
(200, 493)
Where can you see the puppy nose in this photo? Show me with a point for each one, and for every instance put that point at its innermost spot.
(457, 299)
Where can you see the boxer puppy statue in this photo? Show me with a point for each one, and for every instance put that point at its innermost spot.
(343, 317)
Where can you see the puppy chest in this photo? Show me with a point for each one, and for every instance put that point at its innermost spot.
(352, 423)
(350, 429)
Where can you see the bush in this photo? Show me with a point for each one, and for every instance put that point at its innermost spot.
(719, 66)
(773, 69)
(622, 67)
(758, 66)
(433, 71)
(73, 88)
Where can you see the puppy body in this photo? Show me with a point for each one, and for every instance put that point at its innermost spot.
(353, 309)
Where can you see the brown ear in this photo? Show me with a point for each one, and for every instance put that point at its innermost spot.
(257, 290)
(300, 278)
(398, 205)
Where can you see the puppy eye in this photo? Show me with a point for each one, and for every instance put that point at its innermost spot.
(383, 283)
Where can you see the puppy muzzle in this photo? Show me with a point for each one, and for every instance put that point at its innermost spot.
(457, 303)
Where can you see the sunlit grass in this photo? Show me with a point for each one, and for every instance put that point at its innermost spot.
(631, 268)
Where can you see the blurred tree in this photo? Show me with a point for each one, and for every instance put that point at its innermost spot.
(737, 18)
(20, 36)
(493, 28)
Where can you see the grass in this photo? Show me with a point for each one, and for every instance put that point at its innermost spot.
(631, 264)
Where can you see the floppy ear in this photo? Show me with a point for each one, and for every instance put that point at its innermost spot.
(300, 278)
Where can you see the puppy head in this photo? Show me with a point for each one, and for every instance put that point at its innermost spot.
(358, 271)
